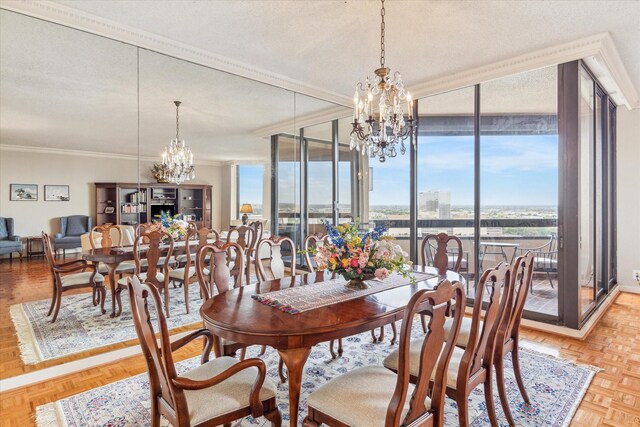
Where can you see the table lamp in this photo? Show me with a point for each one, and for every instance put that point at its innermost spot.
(245, 209)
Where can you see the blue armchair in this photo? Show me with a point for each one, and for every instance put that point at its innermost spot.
(9, 243)
(71, 228)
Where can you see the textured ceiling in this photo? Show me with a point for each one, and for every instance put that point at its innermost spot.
(68, 89)
(332, 44)
(64, 88)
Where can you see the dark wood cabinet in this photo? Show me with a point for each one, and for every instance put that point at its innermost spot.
(130, 203)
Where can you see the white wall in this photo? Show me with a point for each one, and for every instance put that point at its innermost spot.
(628, 197)
(79, 172)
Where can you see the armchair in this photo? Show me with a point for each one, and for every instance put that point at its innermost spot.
(9, 243)
(71, 228)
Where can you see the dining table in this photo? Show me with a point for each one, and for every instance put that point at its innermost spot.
(237, 315)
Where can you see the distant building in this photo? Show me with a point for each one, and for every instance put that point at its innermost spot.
(434, 204)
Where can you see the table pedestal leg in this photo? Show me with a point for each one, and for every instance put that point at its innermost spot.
(111, 268)
(294, 359)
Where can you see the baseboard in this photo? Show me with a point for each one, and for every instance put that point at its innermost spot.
(632, 289)
(580, 334)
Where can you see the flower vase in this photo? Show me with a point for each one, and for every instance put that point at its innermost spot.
(358, 283)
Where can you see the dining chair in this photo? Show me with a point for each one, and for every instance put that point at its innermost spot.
(436, 251)
(215, 393)
(273, 266)
(219, 267)
(186, 274)
(72, 275)
(375, 396)
(246, 238)
(147, 247)
(102, 236)
(545, 258)
(472, 365)
(509, 334)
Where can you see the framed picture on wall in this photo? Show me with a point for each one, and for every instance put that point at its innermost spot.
(56, 193)
(24, 192)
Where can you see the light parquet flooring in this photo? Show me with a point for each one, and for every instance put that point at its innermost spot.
(613, 399)
(31, 281)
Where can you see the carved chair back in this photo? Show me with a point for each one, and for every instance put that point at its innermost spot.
(521, 278)
(482, 337)
(220, 270)
(275, 269)
(158, 356)
(48, 251)
(245, 236)
(148, 245)
(313, 241)
(434, 303)
(436, 249)
(258, 231)
(106, 232)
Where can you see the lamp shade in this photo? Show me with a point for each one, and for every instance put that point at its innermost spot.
(246, 208)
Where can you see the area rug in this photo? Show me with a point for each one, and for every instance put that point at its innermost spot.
(556, 388)
(80, 326)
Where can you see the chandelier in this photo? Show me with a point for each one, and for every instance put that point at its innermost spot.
(177, 158)
(379, 123)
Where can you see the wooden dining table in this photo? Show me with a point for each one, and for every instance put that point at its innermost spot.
(235, 315)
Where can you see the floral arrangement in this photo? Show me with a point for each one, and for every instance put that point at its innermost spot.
(174, 225)
(359, 256)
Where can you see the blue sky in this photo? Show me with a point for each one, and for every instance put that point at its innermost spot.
(515, 170)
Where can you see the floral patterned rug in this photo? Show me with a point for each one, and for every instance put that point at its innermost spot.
(80, 326)
(556, 388)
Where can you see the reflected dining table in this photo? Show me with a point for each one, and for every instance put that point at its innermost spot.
(234, 315)
(114, 256)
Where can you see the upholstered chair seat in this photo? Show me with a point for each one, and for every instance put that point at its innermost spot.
(125, 280)
(226, 397)
(80, 278)
(391, 362)
(71, 228)
(465, 330)
(178, 273)
(124, 267)
(359, 398)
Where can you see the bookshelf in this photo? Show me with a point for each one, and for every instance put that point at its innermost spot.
(131, 204)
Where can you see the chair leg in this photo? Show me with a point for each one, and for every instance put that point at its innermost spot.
(515, 358)
(119, 301)
(58, 303)
(550, 281)
(53, 302)
(263, 350)
(333, 353)
(488, 397)
(499, 364)
(155, 412)
(166, 298)
(340, 349)
(283, 377)
(186, 295)
(11, 257)
(308, 422)
(243, 353)
(423, 320)
(274, 416)
(395, 333)
(103, 293)
(463, 409)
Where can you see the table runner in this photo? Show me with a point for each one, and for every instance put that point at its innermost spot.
(307, 297)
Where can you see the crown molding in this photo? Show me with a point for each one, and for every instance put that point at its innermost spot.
(73, 18)
(599, 46)
(597, 50)
(93, 154)
(298, 122)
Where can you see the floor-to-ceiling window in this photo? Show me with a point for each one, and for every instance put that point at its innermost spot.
(519, 178)
(495, 165)
(445, 171)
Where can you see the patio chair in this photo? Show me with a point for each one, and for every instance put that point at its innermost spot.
(545, 258)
